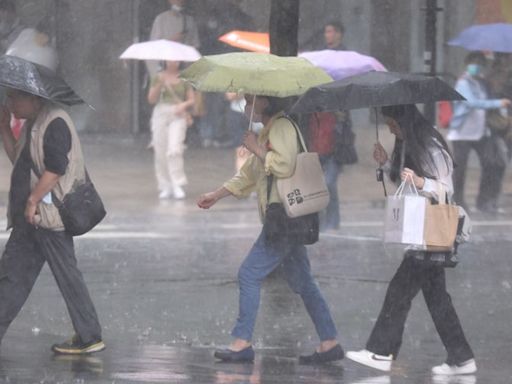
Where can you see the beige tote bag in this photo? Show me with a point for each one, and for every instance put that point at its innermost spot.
(305, 191)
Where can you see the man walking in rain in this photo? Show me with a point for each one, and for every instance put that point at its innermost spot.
(47, 162)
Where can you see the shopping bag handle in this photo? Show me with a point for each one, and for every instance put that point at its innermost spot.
(400, 190)
(442, 195)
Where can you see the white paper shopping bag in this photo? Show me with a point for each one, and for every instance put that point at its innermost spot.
(405, 218)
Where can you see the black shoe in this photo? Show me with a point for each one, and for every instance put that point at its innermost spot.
(75, 346)
(333, 354)
(245, 355)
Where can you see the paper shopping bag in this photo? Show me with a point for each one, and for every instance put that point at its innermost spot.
(441, 221)
(405, 219)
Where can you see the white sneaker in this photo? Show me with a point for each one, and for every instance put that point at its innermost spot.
(454, 379)
(373, 380)
(465, 368)
(165, 194)
(178, 192)
(370, 359)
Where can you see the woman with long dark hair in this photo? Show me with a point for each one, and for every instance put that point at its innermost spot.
(273, 152)
(428, 164)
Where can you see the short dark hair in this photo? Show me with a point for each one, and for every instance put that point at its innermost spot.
(476, 58)
(8, 5)
(336, 25)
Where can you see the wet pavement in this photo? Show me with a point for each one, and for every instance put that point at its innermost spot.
(163, 278)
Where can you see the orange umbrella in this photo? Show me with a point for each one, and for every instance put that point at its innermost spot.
(250, 41)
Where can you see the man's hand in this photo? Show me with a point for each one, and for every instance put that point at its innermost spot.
(30, 211)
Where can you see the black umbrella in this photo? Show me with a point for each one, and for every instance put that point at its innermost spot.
(35, 79)
(374, 89)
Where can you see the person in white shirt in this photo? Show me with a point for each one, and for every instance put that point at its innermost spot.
(428, 164)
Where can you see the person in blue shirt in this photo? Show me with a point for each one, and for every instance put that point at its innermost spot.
(468, 131)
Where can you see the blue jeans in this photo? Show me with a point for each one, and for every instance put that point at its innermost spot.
(330, 217)
(292, 258)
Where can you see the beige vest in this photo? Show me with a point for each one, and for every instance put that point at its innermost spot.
(47, 215)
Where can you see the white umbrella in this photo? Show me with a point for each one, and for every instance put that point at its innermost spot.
(161, 50)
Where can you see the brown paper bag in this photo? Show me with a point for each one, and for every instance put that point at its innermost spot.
(441, 222)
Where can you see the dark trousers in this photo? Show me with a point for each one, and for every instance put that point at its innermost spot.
(25, 253)
(412, 276)
(491, 175)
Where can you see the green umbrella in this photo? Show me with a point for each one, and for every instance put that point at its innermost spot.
(254, 73)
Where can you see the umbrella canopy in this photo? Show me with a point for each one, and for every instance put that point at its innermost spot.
(341, 64)
(374, 89)
(254, 73)
(250, 41)
(485, 37)
(161, 50)
(35, 79)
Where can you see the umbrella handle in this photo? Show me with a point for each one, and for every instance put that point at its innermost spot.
(376, 124)
(252, 113)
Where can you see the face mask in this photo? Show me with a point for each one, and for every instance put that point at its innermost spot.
(257, 127)
(177, 8)
(473, 69)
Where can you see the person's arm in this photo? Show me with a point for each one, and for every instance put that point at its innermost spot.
(188, 103)
(443, 170)
(463, 86)
(208, 199)
(56, 146)
(240, 185)
(6, 132)
(155, 90)
(44, 186)
(283, 149)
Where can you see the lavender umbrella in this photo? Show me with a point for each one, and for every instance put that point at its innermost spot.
(341, 64)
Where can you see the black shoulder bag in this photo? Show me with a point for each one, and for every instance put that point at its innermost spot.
(81, 209)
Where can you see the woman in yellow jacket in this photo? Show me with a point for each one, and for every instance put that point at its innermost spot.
(274, 152)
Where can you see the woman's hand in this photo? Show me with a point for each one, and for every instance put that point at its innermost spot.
(207, 200)
(410, 175)
(379, 154)
(251, 143)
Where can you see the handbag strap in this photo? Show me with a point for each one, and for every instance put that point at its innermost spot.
(302, 144)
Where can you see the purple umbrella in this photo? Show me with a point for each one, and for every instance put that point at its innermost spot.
(485, 37)
(341, 64)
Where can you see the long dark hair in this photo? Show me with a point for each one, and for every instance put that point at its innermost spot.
(418, 138)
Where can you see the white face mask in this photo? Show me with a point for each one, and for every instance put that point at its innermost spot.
(177, 8)
(257, 127)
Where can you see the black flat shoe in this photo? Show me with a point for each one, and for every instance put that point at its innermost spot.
(227, 355)
(333, 354)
